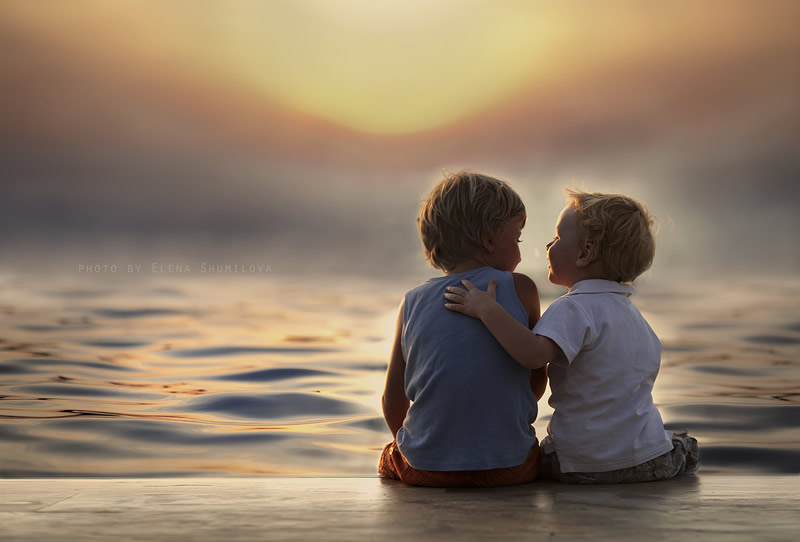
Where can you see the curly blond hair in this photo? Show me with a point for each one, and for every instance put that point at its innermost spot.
(621, 230)
(459, 210)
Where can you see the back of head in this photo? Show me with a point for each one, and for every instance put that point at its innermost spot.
(621, 230)
(459, 210)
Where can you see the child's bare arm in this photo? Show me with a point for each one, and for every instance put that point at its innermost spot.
(528, 294)
(538, 382)
(528, 349)
(394, 401)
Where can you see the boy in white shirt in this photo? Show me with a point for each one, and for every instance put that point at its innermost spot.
(603, 355)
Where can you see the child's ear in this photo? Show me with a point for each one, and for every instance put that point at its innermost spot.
(488, 242)
(587, 254)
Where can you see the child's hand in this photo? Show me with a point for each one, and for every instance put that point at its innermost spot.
(472, 301)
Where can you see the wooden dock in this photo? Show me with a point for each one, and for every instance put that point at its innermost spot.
(690, 508)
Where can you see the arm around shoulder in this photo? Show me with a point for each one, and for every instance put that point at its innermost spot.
(528, 349)
(528, 294)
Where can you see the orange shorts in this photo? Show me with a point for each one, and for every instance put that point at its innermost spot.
(394, 466)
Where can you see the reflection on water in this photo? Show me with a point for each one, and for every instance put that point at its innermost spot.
(220, 375)
(731, 372)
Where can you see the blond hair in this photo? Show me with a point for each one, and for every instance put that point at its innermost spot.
(459, 210)
(621, 230)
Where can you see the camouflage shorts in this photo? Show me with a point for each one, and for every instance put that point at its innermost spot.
(682, 459)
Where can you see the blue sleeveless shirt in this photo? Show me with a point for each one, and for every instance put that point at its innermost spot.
(472, 405)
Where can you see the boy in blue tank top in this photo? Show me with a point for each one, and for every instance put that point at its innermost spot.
(603, 356)
(460, 408)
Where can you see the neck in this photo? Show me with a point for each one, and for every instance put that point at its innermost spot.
(588, 276)
(465, 265)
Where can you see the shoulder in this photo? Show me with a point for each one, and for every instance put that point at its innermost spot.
(568, 308)
(401, 315)
(528, 294)
(568, 325)
(568, 302)
(524, 285)
(420, 290)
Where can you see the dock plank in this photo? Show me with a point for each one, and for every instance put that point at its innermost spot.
(711, 507)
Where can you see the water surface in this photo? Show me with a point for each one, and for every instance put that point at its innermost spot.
(189, 375)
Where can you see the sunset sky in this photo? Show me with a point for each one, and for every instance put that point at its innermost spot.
(394, 67)
(302, 121)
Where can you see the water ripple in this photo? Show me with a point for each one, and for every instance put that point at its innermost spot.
(269, 375)
(772, 339)
(726, 371)
(167, 432)
(135, 313)
(47, 362)
(765, 460)
(130, 379)
(219, 351)
(47, 329)
(11, 369)
(273, 406)
(71, 390)
(375, 424)
(117, 344)
(86, 449)
(738, 418)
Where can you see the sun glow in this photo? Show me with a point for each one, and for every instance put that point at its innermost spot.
(386, 67)
(391, 70)
(380, 67)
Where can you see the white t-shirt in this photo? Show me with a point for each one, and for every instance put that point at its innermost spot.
(604, 415)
